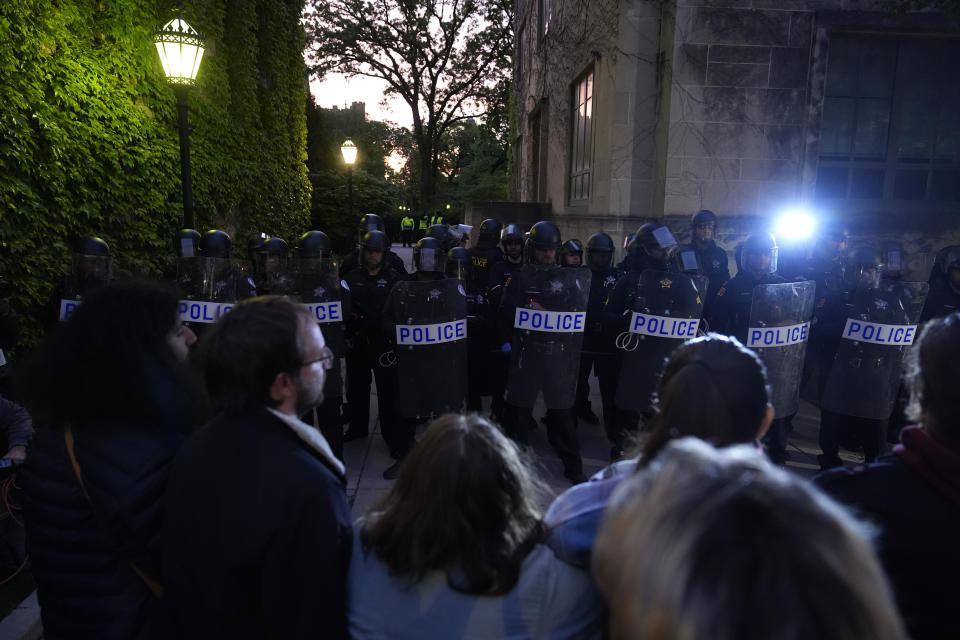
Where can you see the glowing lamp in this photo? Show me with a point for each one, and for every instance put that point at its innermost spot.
(181, 50)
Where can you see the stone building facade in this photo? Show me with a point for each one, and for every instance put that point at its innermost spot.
(638, 109)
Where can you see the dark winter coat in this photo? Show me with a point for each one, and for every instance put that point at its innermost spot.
(82, 554)
(257, 536)
(913, 497)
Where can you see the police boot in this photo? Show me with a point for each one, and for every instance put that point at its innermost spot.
(585, 413)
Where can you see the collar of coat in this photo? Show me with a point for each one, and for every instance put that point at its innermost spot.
(312, 437)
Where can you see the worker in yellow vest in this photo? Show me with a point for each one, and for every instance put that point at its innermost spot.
(406, 230)
(424, 223)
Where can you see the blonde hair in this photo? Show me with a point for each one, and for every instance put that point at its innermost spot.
(720, 544)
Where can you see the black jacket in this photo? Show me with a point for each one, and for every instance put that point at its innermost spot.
(80, 555)
(918, 524)
(258, 537)
(731, 306)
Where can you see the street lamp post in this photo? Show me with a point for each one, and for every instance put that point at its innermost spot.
(349, 152)
(181, 49)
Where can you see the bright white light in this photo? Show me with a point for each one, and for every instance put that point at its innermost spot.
(349, 152)
(795, 225)
(181, 49)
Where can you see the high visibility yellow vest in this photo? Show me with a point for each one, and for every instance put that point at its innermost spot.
(423, 223)
(407, 223)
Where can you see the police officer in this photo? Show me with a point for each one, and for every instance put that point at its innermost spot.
(731, 308)
(648, 248)
(571, 253)
(272, 273)
(542, 246)
(511, 241)
(223, 281)
(429, 259)
(91, 266)
(369, 285)
(186, 273)
(711, 258)
(372, 222)
(944, 298)
(317, 282)
(485, 253)
(423, 225)
(436, 218)
(598, 349)
(731, 314)
(862, 275)
(406, 229)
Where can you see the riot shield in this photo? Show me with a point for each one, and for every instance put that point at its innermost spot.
(548, 325)
(666, 312)
(328, 302)
(189, 277)
(431, 346)
(780, 317)
(880, 327)
(213, 290)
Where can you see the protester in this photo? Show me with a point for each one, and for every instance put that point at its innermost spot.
(914, 494)
(455, 550)
(112, 404)
(712, 388)
(720, 544)
(257, 538)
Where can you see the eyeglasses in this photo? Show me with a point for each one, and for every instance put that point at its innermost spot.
(325, 359)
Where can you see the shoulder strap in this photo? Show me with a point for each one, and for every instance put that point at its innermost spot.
(155, 587)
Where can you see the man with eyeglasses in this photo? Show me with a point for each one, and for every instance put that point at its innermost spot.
(257, 532)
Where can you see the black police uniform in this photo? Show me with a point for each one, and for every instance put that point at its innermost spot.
(599, 352)
(366, 345)
(481, 261)
(942, 301)
(731, 316)
(499, 275)
(713, 265)
(836, 428)
(561, 430)
(390, 259)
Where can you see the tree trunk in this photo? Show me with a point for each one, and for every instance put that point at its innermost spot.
(426, 174)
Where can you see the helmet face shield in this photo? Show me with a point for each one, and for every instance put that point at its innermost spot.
(91, 271)
(688, 262)
(755, 260)
(431, 260)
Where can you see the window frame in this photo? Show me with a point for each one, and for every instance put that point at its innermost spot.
(581, 158)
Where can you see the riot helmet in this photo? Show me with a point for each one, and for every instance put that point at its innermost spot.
(628, 240)
(571, 253)
(759, 253)
(458, 263)
(703, 225)
(92, 246)
(511, 233)
(215, 244)
(374, 241)
(369, 222)
(599, 251)
(91, 265)
(186, 242)
(254, 246)
(313, 244)
(686, 260)
(275, 247)
(862, 265)
(447, 238)
(892, 259)
(511, 241)
(429, 256)
(489, 233)
(313, 252)
(543, 238)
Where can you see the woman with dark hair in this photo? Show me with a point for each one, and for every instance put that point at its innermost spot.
(111, 404)
(455, 550)
(712, 388)
(914, 495)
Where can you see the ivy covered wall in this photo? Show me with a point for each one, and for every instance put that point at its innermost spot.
(89, 143)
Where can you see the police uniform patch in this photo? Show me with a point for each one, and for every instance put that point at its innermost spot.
(433, 294)
(666, 283)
